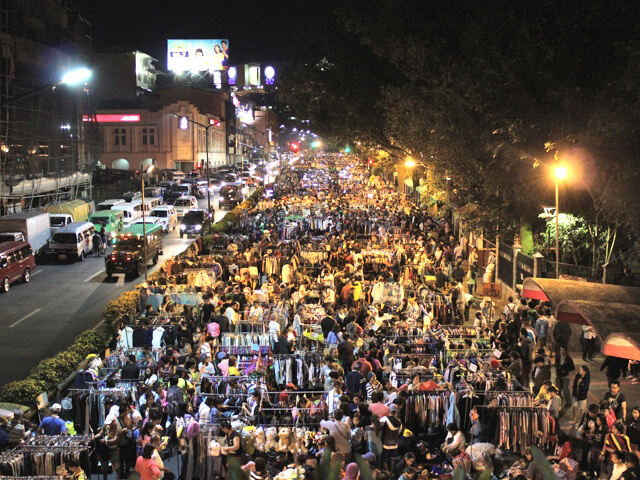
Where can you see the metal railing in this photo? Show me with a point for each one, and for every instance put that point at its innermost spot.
(581, 271)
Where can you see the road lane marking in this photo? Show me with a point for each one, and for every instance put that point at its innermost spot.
(36, 272)
(98, 325)
(93, 276)
(24, 318)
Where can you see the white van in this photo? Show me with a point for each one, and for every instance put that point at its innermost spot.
(150, 204)
(132, 212)
(109, 203)
(73, 241)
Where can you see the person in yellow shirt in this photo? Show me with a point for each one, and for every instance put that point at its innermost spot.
(184, 384)
(233, 370)
(75, 470)
(543, 394)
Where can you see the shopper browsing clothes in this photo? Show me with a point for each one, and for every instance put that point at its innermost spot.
(331, 324)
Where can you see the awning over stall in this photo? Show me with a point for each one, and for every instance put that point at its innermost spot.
(555, 291)
(617, 324)
(612, 310)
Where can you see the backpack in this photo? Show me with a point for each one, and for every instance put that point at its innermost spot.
(511, 313)
(214, 329)
(174, 398)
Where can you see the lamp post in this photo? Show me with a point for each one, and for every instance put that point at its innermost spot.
(71, 78)
(206, 143)
(550, 214)
(560, 174)
(144, 172)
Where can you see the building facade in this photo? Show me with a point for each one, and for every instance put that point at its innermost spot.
(155, 132)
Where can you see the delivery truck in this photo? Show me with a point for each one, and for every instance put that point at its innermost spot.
(35, 227)
(78, 209)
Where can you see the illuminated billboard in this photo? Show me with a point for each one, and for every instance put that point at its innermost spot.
(197, 55)
(112, 117)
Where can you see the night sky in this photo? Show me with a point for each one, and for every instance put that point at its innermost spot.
(262, 31)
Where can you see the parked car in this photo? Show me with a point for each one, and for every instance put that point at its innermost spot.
(16, 263)
(184, 204)
(74, 241)
(165, 215)
(193, 222)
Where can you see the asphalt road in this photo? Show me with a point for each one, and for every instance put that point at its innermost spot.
(39, 319)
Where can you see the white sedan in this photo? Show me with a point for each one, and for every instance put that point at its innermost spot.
(185, 203)
(165, 215)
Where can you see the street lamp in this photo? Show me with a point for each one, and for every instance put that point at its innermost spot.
(71, 78)
(206, 143)
(560, 173)
(144, 172)
(76, 77)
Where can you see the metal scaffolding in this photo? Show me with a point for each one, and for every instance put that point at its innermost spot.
(44, 144)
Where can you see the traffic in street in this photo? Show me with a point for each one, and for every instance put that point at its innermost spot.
(61, 300)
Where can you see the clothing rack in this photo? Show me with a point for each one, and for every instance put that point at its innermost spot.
(29, 478)
(296, 392)
(230, 377)
(513, 407)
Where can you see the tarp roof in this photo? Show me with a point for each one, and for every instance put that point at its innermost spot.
(554, 291)
(612, 310)
(617, 324)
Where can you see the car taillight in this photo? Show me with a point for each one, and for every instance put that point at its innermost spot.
(113, 258)
(128, 259)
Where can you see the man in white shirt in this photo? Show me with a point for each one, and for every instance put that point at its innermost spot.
(329, 297)
(231, 312)
(205, 410)
(256, 311)
(274, 330)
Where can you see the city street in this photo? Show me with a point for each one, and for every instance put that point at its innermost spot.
(42, 318)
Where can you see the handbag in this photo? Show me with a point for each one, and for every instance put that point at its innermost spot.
(463, 460)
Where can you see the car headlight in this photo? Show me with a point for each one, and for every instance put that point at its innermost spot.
(198, 227)
(183, 227)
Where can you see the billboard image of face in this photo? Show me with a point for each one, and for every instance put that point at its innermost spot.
(197, 55)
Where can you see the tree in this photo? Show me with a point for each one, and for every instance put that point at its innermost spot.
(490, 94)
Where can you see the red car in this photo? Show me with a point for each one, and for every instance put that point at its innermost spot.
(16, 263)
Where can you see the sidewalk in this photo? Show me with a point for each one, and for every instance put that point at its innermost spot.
(598, 387)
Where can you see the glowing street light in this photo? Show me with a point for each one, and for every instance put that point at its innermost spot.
(71, 78)
(410, 162)
(561, 173)
(76, 77)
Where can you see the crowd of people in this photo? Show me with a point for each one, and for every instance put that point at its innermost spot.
(342, 325)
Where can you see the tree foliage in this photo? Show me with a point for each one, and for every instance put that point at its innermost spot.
(491, 94)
